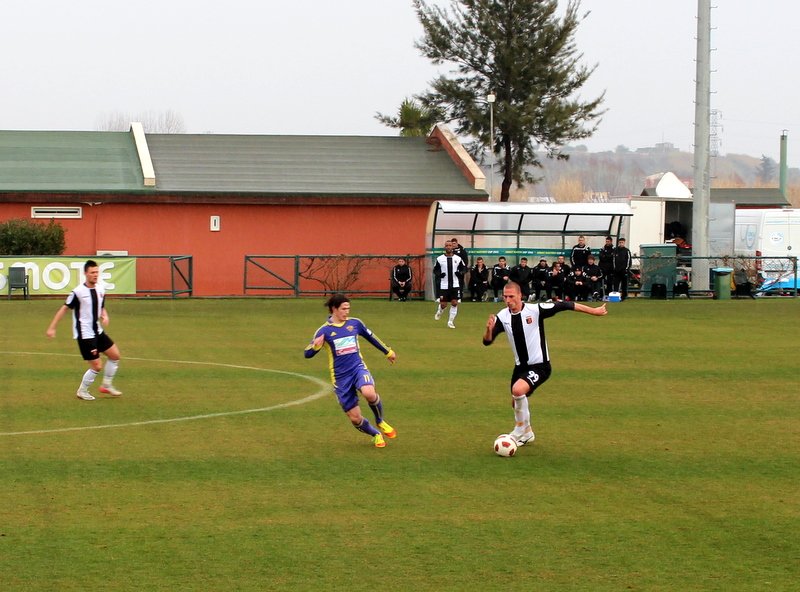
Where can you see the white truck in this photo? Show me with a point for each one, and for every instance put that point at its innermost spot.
(774, 236)
(767, 232)
(652, 216)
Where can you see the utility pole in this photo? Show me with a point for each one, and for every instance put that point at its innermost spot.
(702, 176)
(784, 165)
(491, 99)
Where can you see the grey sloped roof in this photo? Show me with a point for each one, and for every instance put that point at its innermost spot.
(68, 161)
(741, 196)
(305, 165)
(750, 196)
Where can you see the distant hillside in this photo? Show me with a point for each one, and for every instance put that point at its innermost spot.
(624, 172)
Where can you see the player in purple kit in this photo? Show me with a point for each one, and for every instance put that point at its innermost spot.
(349, 374)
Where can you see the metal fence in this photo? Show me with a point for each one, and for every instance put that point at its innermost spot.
(369, 275)
(155, 275)
(154, 278)
(318, 275)
(766, 276)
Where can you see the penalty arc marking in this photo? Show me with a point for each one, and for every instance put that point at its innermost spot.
(324, 390)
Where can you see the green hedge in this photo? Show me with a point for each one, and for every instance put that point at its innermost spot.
(23, 237)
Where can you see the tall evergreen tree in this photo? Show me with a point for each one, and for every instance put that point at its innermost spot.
(525, 54)
(765, 171)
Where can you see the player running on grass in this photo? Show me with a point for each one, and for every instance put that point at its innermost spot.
(524, 325)
(87, 303)
(349, 373)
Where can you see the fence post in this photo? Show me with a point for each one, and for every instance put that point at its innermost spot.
(172, 275)
(297, 276)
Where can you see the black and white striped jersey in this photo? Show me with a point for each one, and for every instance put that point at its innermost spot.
(447, 270)
(525, 330)
(86, 304)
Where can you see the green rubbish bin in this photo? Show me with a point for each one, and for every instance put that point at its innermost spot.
(722, 283)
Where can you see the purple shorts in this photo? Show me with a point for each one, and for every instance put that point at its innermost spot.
(347, 387)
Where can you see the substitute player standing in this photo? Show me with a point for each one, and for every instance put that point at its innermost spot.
(87, 303)
(524, 325)
(448, 271)
(349, 373)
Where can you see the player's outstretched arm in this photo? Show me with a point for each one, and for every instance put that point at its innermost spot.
(377, 343)
(51, 330)
(592, 310)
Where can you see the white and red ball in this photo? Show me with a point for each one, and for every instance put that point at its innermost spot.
(505, 445)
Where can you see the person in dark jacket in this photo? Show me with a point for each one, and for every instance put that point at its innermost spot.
(594, 277)
(478, 280)
(576, 286)
(579, 256)
(565, 268)
(401, 279)
(541, 281)
(622, 267)
(522, 274)
(458, 249)
(557, 279)
(500, 277)
(605, 259)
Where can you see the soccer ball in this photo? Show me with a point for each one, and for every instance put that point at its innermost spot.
(505, 445)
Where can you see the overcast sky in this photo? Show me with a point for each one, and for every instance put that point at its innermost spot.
(326, 67)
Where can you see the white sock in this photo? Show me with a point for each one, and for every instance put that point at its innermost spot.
(453, 313)
(88, 379)
(522, 413)
(110, 371)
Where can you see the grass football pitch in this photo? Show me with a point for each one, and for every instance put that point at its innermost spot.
(666, 454)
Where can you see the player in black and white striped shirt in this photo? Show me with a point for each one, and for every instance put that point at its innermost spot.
(449, 271)
(87, 303)
(524, 325)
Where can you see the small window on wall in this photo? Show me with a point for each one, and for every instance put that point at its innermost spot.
(57, 212)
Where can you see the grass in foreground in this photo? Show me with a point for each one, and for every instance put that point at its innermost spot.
(665, 459)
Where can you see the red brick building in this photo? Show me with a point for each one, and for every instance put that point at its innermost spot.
(218, 198)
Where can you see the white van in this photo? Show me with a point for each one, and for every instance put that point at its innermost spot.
(770, 233)
(767, 233)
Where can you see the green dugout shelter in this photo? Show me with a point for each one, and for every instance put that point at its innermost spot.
(521, 229)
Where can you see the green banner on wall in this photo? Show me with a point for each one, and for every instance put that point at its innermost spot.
(512, 255)
(59, 275)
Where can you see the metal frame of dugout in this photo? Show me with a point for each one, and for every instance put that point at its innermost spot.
(518, 229)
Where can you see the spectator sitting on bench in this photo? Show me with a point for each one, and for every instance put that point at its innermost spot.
(576, 286)
(401, 279)
(594, 278)
(478, 280)
(500, 276)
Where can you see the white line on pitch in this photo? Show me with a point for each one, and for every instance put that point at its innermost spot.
(324, 390)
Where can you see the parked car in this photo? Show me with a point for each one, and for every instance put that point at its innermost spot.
(784, 285)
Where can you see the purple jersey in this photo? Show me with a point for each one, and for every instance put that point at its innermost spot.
(344, 355)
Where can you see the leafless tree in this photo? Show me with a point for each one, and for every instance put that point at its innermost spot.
(337, 273)
(154, 122)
